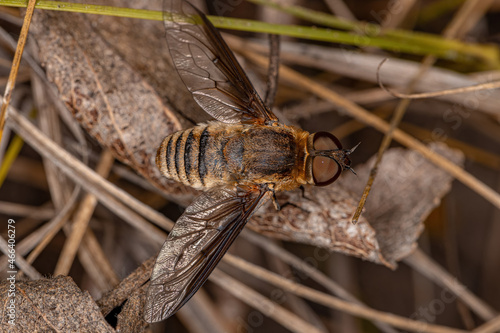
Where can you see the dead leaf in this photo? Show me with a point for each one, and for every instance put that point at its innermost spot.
(142, 44)
(406, 190)
(130, 318)
(51, 305)
(322, 218)
(116, 296)
(105, 94)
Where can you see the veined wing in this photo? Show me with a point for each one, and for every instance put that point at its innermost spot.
(208, 67)
(196, 244)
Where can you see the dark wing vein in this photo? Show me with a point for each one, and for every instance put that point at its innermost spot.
(209, 68)
(199, 239)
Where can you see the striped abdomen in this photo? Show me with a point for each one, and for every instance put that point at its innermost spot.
(179, 156)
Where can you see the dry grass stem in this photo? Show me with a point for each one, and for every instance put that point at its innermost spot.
(491, 326)
(336, 303)
(52, 93)
(294, 303)
(287, 319)
(426, 266)
(352, 126)
(41, 213)
(121, 291)
(38, 239)
(467, 17)
(56, 224)
(310, 271)
(81, 220)
(202, 315)
(479, 155)
(273, 70)
(96, 262)
(15, 64)
(20, 262)
(88, 179)
(361, 66)
(402, 106)
(399, 17)
(340, 9)
(477, 87)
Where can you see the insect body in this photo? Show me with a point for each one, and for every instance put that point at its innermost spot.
(218, 154)
(240, 161)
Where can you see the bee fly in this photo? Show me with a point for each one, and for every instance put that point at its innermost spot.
(241, 159)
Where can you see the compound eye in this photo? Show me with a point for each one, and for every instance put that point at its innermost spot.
(326, 141)
(325, 170)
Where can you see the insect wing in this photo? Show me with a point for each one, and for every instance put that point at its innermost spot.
(209, 68)
(196, 244)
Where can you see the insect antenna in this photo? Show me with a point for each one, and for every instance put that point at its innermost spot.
(349, 152)
(341, 156)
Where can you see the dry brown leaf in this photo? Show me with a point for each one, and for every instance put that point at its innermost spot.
(130, 319)
(142, 44)
(107, 96)
(321, 218)
(51, 305)
(407, 188)
(128, 285)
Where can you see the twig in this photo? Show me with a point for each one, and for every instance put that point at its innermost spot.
(340, 9)
(477, 87)
(40, 213)
(81, 220)
(15, 64)
(95, 262)
(20, 262)
(54, 226)
(426, 266)
(43, 234)
(263, 304)
(120, 293)
(311, 272)
(336, 303)
(273, 70)
(489, 327)
(115, 199)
